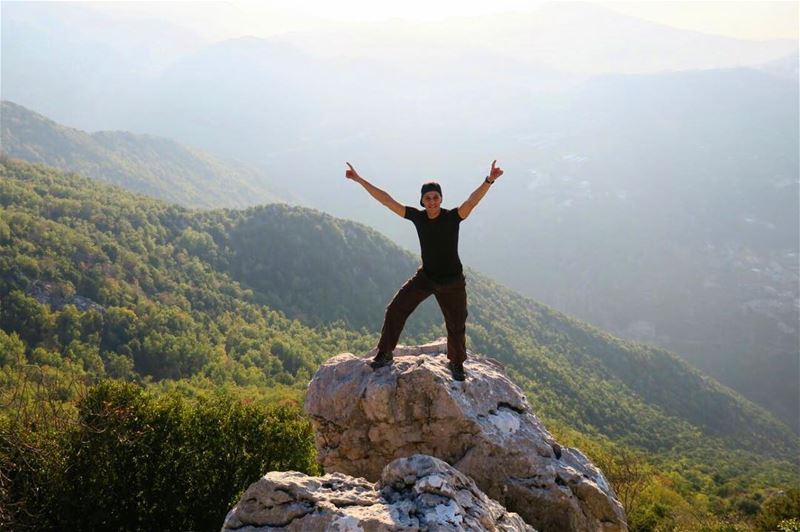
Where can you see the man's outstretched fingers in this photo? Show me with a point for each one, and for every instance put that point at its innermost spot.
(351, 174)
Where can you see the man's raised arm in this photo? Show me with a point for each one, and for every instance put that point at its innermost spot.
(480, 192)
(376, 193)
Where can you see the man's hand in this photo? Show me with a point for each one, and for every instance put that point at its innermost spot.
(494, 173)
(475, 197)
(351, 174)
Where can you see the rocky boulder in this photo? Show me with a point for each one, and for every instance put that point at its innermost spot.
(484, 427)
(415, 493)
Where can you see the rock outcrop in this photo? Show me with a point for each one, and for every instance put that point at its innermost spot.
(415, 493)
(484, 427)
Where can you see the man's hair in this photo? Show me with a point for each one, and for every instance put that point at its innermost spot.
(428, 187)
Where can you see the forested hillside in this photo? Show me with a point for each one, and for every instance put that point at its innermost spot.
(723, 299)
(98, 283)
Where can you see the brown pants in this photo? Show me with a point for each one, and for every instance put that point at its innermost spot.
(452, 299)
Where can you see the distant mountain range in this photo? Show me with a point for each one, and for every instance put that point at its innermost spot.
(92, 70)
(151, 165)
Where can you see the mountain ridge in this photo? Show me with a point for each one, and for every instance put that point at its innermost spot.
(154, 165)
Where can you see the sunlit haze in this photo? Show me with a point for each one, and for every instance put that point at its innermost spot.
(217, 20)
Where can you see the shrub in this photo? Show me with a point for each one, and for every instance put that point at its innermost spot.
(780, 510)
(136, 461)
(141, 462)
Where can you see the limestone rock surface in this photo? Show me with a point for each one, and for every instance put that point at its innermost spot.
(484, 427)
(415, 493)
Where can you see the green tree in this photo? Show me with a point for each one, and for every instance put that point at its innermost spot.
(781, 506)
(145, 462)
(12, 349)
(25, 316)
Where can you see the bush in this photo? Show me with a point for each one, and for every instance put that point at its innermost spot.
(780, 510)
(137, 461)
(31, 463)
(12, 349)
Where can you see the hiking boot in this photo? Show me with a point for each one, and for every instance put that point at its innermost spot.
(457, 370)
(381, 359)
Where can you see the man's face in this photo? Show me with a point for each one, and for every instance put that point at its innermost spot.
(432, 200)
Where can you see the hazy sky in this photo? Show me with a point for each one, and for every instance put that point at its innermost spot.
(218, 20)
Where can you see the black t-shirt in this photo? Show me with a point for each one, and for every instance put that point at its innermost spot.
(438, 239)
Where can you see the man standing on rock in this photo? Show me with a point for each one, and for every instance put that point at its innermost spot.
(441, 273)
